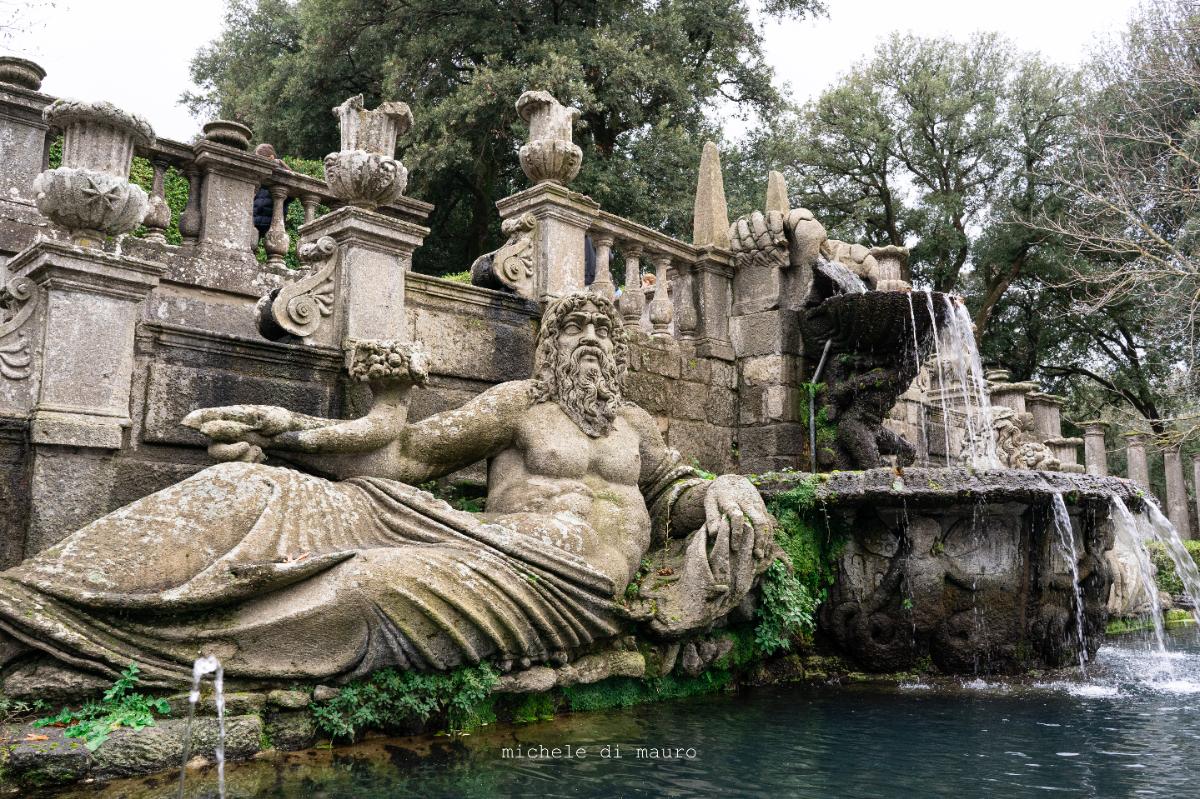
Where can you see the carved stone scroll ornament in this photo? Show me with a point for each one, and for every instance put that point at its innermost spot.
(510, 268)
(17, 302)
(299, 308)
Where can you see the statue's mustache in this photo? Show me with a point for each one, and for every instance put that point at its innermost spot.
(584, 350)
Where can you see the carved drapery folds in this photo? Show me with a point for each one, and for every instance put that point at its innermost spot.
(90, 194)
(364, 172)
(550, 155)
(510, 268)
(17, 302)
(299, 308)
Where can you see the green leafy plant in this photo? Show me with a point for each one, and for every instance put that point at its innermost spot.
(785, 610)
(1166, 577)
(389, 699)
(14, 710)
(119, 707)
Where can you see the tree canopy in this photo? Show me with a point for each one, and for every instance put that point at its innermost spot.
(646, 75)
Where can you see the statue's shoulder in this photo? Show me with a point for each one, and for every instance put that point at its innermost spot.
(638, 418)
(515, 396)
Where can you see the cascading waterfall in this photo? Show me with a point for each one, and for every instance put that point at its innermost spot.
(1165, 532)
(912, 317)
(1066, 540)
(1136, 536)
(937, 354)
(959, 344)
(202, 666)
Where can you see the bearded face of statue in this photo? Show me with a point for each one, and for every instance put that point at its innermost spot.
(580, 353)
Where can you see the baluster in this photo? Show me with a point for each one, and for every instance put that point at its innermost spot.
(603, 284)
(309, 203)
(632, 301)
(189, 220)
(661, 312)
(158, 218)
(277, 241)
(686, 318)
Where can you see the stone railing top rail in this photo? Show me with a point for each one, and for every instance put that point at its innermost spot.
(653, 242)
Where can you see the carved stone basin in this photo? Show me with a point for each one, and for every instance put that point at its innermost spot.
(869, 346)
(882, 321)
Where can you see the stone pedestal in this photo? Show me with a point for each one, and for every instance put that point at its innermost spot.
(23, 134)
(230, 179)
(713, 276)
(1094, 452)
(1177, 499)
(563, 218)
(374, 255)
(82, 390)
(1137, 469)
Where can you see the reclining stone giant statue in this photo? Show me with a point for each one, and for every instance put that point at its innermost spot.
(285, 575)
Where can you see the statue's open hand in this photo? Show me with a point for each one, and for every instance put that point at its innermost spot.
(739, 529)
(242, 432)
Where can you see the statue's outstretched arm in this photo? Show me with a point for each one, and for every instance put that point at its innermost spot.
(379, 444)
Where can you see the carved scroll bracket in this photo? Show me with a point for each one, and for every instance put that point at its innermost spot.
(17, 302)
(299, 308)
(511, 267)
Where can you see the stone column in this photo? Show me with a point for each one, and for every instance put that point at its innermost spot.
(603, 284)
(1196, 482)
(1094, 452)
(309, 203)
(277, 241)
(158, 218)
(632, 300)
(661, 312)
(1137, 469)
(684, 301)
(189, 220)
(83, 392)
(1177, 500)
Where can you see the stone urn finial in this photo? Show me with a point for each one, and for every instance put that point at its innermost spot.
(550, 154)
(21, 72)
(364, 172)
(90, 194)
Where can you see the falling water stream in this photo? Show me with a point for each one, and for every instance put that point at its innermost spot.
(959, 345)
(937, 354)
(912, 317)
(1135, 537)
(1066, 539)
(1165, 532)
(203, 666)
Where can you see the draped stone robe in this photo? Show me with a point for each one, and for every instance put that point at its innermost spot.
(286, 576)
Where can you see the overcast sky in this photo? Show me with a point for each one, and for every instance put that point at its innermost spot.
(135, 53)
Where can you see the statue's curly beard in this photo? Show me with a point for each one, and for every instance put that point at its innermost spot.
(588, 392)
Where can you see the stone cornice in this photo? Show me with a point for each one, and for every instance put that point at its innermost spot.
(350, 225)
(152, 336)
(230, 162)
(59, 265)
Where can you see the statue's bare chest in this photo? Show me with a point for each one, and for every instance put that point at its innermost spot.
(554, 446)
